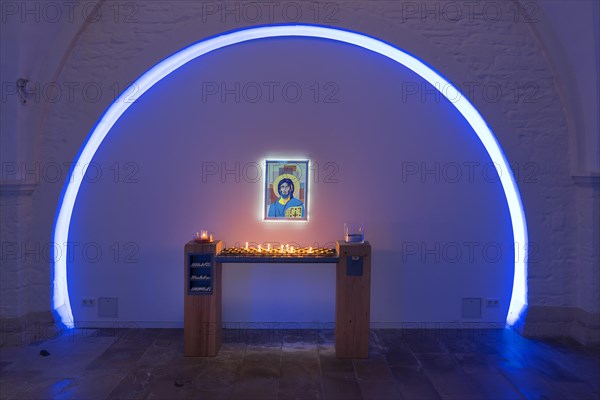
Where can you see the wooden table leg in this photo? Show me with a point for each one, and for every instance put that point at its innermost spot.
(202, 299)
(353, 300)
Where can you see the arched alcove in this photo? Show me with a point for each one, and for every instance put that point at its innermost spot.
(358, 135)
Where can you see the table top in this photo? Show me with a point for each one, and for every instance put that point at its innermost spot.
(240, 255)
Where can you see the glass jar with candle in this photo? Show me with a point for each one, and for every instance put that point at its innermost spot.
(202, 236)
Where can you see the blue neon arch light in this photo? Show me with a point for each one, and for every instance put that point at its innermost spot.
(61, 302)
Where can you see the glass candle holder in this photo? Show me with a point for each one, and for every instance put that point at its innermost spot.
(202, 236)
(354, 232)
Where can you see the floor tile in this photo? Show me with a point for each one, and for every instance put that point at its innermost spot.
(299, 395)
(414, 383)
(136, 385)
(448, 378)
(425, 341)
(92, 385)
(340, 387)
(529, 382)
(252, 388)
(372, 369)
(380, 390)
(300, 372)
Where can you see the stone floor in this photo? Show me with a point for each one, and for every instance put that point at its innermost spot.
(299, 364)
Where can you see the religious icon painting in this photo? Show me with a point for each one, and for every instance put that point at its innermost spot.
(286, 190)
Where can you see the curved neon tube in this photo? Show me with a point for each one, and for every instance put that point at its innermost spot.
(147, 80)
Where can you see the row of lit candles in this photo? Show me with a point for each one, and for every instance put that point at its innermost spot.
(205, 236)
(282, 249)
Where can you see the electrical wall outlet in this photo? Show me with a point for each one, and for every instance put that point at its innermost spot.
(88, 302)
(471, 307)
(108, 307)
(492, 303)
